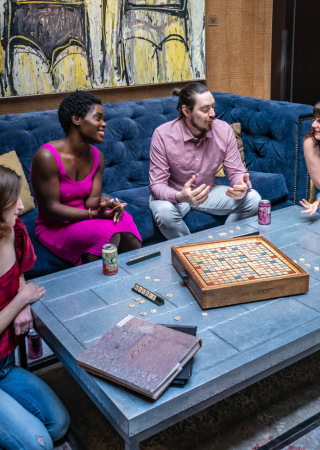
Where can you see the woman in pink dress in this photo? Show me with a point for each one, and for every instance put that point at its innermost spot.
(74, 219)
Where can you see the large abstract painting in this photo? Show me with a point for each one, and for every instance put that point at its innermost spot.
(58, 46)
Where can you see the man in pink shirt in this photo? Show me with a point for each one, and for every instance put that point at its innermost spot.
(184, 157)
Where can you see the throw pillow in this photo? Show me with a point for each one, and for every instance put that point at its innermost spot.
(220, 172)
(312, 198)
(11, 161)
(236, 127)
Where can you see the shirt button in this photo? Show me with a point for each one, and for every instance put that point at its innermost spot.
(197, 159)
(197, 174)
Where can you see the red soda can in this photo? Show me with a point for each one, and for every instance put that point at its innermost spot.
(264, 217)
(110, 259)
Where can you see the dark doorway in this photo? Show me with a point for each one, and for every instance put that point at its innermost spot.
(295, 73)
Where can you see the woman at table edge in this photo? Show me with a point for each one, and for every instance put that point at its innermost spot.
(31, 415)
(74, 219)
(311, 151)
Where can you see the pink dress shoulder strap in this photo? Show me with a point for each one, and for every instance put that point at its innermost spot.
(55, 154)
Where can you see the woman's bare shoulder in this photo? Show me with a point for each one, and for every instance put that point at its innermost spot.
(310, 144)
(44, 160)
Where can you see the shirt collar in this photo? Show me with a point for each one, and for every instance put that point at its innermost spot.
(187, 135)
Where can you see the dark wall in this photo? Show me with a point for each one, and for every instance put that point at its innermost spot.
(295, 68)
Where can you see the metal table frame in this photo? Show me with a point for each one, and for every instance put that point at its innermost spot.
(134, 418)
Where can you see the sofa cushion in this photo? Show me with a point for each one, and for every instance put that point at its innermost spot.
(138, 197)
(143, 220)
(198, 221)
(271, 186)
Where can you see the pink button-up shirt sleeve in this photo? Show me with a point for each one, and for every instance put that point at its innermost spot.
(232, 162)
(160, 171)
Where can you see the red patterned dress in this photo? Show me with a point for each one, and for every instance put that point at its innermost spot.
(9, 284)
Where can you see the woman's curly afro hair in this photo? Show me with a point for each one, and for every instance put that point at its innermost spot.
(77, 103)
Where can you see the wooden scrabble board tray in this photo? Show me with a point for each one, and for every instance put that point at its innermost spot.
(238, 270)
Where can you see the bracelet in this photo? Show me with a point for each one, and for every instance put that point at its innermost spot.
(89, 211)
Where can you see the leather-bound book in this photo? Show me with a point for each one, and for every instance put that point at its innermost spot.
(140, 355)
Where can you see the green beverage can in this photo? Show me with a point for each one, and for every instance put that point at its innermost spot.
(110, 259)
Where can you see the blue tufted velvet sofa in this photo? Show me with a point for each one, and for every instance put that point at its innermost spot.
(272, 133)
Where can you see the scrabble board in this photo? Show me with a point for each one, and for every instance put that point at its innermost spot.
(238, 270)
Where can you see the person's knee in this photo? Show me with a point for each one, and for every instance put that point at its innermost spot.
(42, 442)
(253, 199)
(128, 242)
(36, 440)
(60, 424)
(166, 216)
(136, 243)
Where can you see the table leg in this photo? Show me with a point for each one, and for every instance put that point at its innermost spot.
(23, 355)
(132, 446)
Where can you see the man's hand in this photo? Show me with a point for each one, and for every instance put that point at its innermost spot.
(240, 189)
(311, 208)
(23, 322)
(194, 197)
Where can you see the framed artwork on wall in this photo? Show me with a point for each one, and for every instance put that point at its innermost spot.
(63, 45)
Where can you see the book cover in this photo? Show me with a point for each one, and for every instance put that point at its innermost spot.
(141, 355)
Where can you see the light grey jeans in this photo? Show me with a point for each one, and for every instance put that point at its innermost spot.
(169, 216)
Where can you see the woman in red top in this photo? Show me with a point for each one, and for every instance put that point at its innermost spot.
(31, 415)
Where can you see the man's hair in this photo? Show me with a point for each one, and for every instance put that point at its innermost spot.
(77, 103)
(187, 95)
(311, 133)
(10, 188)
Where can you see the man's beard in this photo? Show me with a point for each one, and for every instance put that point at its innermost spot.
(201, 129)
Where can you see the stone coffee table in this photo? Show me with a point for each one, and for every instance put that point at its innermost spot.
(241, 344)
